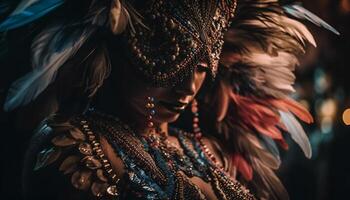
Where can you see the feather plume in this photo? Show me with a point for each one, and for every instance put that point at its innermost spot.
(118, 17)
(98, 69)
(276, 72)
(274, 187)
(242, 166)
(46, 64)
(252, 144)
(28, 11)
(51, 49)
(289, 105)
(296, 10)
(270, 145)
(223, 101)
(23, 5)
(256, 78)
(297, 132)
(122, 14)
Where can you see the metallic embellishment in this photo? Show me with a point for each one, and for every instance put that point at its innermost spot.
(112, 190)
(85, 148)
(99, 189)
(89, 167)
(186, 190)
(133, 147)
(151, 112)
(154, 157)
(177, 36)
(98, 151)
(91, 162)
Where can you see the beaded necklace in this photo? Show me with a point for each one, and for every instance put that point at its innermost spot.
(153, 162)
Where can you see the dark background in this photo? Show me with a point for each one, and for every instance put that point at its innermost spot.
(323, 85)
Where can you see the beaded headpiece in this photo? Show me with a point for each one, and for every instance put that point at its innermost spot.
(175, 35)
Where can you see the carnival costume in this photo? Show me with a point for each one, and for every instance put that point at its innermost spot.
(251, 47)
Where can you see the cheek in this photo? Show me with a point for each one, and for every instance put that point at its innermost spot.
(199, 80)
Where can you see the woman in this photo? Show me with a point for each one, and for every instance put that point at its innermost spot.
(111, 138)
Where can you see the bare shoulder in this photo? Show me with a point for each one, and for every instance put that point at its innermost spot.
(71, 161)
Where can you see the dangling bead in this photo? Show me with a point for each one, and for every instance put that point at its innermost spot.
(150, 124)
(151, 111)
(195, 125)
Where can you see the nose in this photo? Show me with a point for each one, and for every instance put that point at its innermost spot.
(187, 87)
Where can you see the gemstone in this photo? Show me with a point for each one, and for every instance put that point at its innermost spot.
(85, 149)
(112, 190)
(150, 124)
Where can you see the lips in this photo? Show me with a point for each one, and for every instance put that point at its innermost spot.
(174, 106)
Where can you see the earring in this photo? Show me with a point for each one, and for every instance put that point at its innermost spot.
(151, 112)
(196, 129)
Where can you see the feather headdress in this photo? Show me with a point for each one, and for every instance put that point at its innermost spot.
(255, 79)
(58, 42)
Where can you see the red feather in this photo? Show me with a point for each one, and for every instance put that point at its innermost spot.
(294, 107)
(254, 114)
(243, 166)
(283, 144)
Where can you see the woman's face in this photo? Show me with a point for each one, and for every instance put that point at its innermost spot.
(168, 102)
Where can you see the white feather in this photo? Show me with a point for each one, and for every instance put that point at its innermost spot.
(300, 12)
(297, 132)
(23, 5)
(45, 64)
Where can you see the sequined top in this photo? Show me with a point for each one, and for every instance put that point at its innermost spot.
(154, 168)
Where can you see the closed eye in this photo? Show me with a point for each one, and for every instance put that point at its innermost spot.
(202, 67)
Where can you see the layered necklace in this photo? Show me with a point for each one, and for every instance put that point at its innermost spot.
(154, 157)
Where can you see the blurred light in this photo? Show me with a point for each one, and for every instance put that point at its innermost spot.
(322, 82)
(346, 117)
(328, 108)
(345, 6)
(326, 125)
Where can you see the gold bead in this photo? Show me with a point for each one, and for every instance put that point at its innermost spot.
(172, 24)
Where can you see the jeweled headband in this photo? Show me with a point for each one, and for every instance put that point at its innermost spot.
(175, 35)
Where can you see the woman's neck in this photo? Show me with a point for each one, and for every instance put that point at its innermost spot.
(141, 125)
(132, 118)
